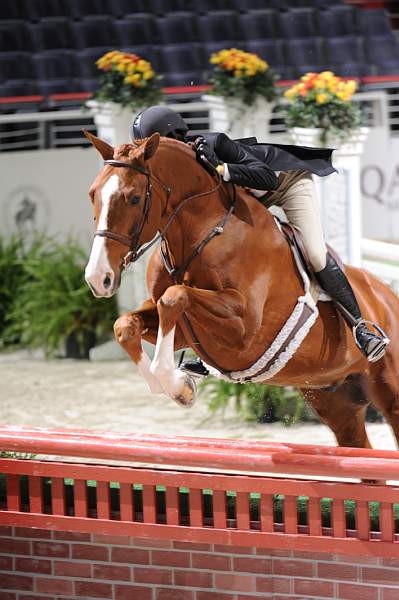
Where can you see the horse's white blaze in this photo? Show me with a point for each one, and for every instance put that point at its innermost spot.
(98, 266)
(163, 366)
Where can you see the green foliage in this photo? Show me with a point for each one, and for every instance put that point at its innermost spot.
(113, 89)
(255, 402)
(13, 257)
(54, 301)
(336, 118)
(12, 273)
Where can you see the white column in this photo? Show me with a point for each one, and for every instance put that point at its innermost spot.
(238, 120)
(340, 193)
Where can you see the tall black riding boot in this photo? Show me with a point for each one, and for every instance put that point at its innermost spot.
(334, 281)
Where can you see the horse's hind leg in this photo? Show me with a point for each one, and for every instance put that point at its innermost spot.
(344, 410)
(384, 391)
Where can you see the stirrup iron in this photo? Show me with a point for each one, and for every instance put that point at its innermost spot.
(377, 352)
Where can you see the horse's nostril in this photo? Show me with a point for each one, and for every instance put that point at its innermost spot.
(107, 281)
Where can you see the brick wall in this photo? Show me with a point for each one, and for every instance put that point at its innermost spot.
(49, 565)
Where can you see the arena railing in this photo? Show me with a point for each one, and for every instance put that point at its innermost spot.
(61, 125)
(257, 493)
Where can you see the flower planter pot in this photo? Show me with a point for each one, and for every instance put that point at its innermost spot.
(113, 122)
(311, 136)
(238, 120)
(74, 350)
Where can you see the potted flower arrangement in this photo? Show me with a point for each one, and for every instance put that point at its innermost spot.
(242, 93)
(128, 84)
(321, 111)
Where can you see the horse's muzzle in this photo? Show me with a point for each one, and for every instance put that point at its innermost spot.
(103, 286)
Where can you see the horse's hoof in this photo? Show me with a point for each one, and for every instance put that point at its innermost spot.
(189, 393)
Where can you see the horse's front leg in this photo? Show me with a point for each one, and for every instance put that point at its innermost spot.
(215, 307)
(129, 330)
(178, 385)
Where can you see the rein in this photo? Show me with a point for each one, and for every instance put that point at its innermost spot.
(132, 241)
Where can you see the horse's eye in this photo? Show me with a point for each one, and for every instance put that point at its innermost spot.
(134, 199)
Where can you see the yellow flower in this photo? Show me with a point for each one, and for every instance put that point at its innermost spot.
(148, 75)
(290, 94)
(239, 61)
(321, 98)
(342, 96)
(351, 87)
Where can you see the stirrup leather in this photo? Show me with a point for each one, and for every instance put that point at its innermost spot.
(379, 349)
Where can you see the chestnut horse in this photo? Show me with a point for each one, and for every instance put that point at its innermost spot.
(236, 290)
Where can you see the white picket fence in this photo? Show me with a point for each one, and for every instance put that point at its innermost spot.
(382, 259)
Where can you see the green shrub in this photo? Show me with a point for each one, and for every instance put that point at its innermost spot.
(255, 401)
(54, 301)
(13, 259)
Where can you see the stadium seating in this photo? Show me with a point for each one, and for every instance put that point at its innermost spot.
(15, 36)
(92, 32)
(383, 51)
(218, 25)
(122, 8)
(78, 9)
(9, 9)
(134, 30)
(258, 25)
(273, 51)
(176, 27)
(373, 22)
(345, 55)
(15, 65)
(50, 43)
(306, 54)
(297, 22)
(52, 33)
(337, 21)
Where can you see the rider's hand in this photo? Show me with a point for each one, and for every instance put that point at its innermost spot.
(205, 155)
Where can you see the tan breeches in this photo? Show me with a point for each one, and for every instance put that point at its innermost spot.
(301, 205)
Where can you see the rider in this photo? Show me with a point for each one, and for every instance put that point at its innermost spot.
(277, 175)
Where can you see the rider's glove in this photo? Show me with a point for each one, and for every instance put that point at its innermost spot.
(205, 155)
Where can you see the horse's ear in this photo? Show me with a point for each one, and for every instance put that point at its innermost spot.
(105, 149)
(148, 148)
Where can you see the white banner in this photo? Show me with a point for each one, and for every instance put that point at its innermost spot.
(380, 186)
(47, 191)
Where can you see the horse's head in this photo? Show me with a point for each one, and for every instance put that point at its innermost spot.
(121, 198)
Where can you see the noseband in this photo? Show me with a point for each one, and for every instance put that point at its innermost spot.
(132, 241)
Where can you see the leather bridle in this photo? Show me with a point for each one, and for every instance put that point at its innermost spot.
(132, 240)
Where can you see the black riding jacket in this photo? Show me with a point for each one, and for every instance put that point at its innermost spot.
(254, 166)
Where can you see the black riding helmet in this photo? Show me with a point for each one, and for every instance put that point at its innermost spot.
(159, 119)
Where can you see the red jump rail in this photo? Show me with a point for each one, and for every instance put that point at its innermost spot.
(261, 494)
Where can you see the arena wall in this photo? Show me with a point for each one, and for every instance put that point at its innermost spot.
(36, 564)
